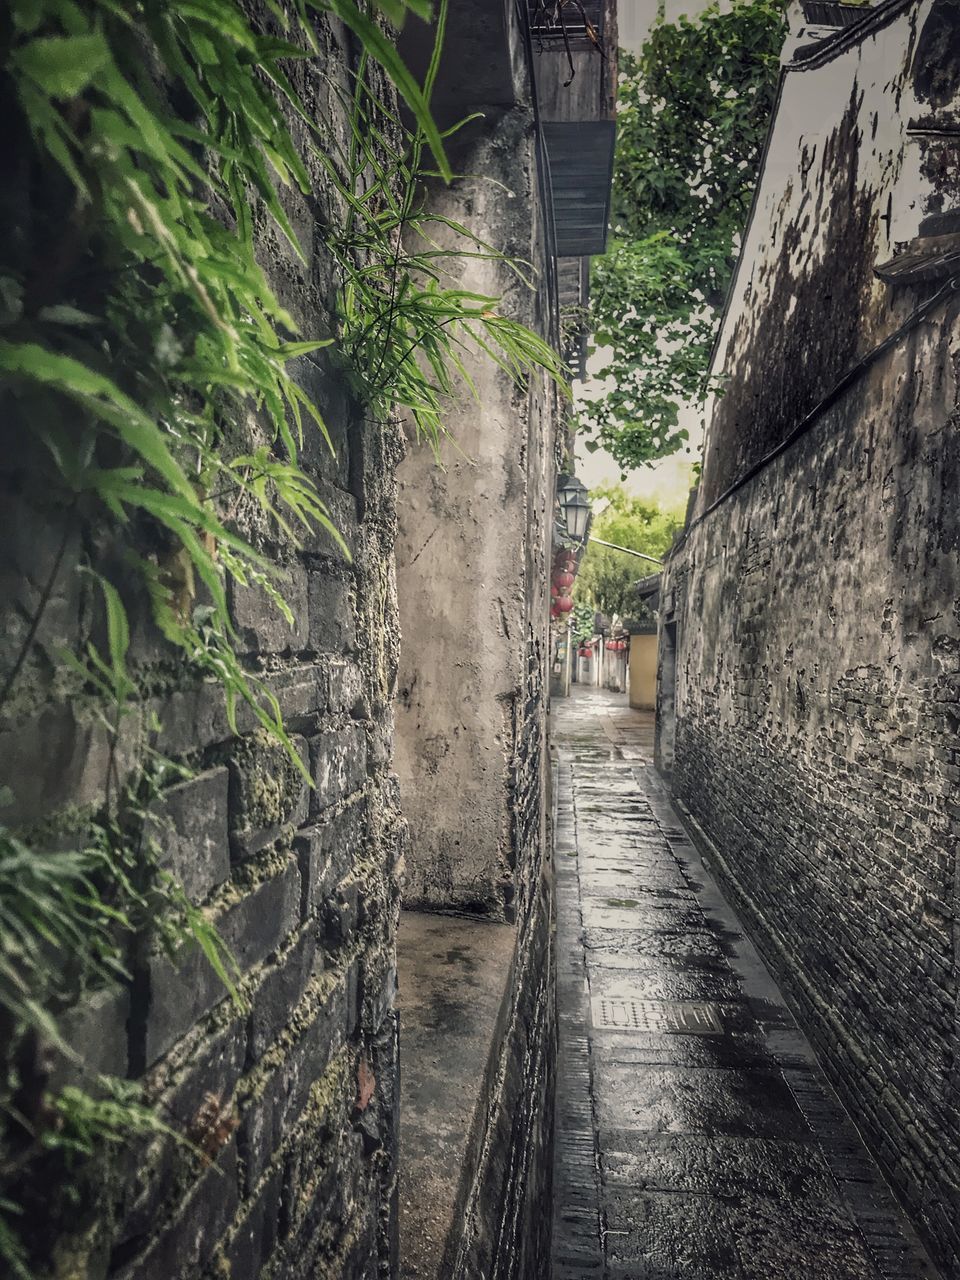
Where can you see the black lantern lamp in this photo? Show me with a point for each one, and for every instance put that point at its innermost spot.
(575, 506)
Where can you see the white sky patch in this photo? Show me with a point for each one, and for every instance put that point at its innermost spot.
(666, 481)
(636, 17)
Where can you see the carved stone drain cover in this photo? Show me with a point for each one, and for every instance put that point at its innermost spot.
(686, 1017)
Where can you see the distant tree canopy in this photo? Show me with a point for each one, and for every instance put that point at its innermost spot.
(693, 114)
(606, 578)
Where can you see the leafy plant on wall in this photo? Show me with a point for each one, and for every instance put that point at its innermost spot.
(581, 622)
(154, 401)
(693, 112)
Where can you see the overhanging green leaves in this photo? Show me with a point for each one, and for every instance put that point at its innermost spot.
(693, 113)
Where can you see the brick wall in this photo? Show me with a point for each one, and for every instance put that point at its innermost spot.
(817, 616)
(816, 745)
(295, 1100)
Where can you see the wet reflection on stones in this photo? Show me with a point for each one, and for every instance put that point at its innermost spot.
(713, 1156)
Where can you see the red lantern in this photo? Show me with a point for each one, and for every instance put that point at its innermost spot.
(611, 646)
(554, 611)
(563, 581)
(564, 604)
(586, 651)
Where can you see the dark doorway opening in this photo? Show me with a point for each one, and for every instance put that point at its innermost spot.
(666, 700)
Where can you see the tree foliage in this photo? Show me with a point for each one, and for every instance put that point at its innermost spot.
(606, 578)
(581, 620)
(693, 114)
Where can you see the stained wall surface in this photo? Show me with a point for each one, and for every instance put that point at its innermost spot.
(642, 672)
(816, 610)
(471, 562)
(473, 554)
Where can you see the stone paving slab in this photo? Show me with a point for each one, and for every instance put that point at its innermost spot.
(663, 983)
(750, 1236)
(715, 1151)
(732, 1051)
(699, 1099)
(731, 1168)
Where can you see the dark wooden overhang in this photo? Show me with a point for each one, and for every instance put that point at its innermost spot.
(648, 591)
(567, 24)
(827, 13)
(580, 162)
(925, 260)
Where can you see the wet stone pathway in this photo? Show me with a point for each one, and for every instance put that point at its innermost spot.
(696, 1137)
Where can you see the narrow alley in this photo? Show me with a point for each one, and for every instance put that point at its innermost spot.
(696, 1136)
(480, 669)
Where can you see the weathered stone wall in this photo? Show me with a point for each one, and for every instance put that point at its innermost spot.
(504, 1230)
(472, 563)
(854, 165)
(817, 610)
(473, 559)
(294, 1100)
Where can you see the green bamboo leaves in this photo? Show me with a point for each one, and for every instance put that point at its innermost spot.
(406, 325)
(62, 66)
(376, 45)
(145, 179)
(28, 363)
(56, 930)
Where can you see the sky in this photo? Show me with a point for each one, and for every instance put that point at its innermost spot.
(669, 480)
(635, 17)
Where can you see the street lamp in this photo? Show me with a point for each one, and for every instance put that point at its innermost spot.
(575, 507)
